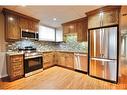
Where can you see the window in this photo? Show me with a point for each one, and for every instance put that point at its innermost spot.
(46, 33)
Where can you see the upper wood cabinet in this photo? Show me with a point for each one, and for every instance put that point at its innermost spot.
(81, 29)
(23, 23)
(31, 25)
(105, 16)
(77, 27)
(110, 17)
(15, 21)
(12, 27)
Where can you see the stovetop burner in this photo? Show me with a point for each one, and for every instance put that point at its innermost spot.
(30, 51)
(28, 48)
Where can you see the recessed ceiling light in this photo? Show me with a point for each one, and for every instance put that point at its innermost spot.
(54, 19)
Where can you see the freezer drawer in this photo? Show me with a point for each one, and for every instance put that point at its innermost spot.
(81, 62)
(106, 69)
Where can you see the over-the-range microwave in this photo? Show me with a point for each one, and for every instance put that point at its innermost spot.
(27, 34)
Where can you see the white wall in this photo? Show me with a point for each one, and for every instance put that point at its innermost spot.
(3, 44)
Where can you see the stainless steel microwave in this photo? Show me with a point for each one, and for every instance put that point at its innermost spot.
(27, 34)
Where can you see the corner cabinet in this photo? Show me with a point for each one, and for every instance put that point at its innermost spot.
(48, 59)
(76, 27)
(65, 59)
(15, 21)
(12, 30)
(105, 16)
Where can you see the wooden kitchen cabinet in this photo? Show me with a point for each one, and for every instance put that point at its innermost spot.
(12, 30)
(94, 21)
(48, 59)
(77, 27)
(15, 67)
(25, 23)
(69, 60)
(66, 29)
(69, 28)
(15, 21)
(61, 59)
(105, 16)
(82, 29)
(110, 18)
(65, 59)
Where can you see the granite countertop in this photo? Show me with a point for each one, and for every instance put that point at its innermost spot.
(72, 51)
(64, 51)
(14, 53)
(44, 51)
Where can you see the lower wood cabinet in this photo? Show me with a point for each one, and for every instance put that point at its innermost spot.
(65, 59)
(15, 67)
(70, 60)
(48, 59)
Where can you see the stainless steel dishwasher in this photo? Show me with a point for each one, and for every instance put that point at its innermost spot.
(81, 62)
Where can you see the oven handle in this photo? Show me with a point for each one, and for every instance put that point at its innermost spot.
(31, 57)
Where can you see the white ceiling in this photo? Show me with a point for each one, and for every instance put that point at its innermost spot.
(62, 13)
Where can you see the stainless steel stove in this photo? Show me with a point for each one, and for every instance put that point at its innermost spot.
(33, 61)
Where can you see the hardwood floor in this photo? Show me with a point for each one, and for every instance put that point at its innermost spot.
(60, 78)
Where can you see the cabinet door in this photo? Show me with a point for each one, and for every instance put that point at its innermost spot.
(15, 66)
(66, 29)
(61, 60)
(12, 27)
(17, 69)
(69, 60)
(35, 26)
(23, 22)
(72, 28)
(94, 21)
(32, 25)
(48, 60)
(110, 18)
(79, 30)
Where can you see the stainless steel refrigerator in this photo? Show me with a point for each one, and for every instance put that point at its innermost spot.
(103, 53)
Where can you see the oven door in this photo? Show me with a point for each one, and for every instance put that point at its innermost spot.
(32, 64)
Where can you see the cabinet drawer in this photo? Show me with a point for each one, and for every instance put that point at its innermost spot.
(16, 58)
(17, 73)
(17, 63)
(17, 67)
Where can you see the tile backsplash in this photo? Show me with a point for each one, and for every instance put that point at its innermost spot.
(70, 45)
(37, 44)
